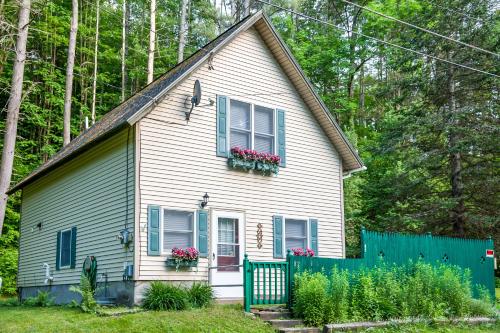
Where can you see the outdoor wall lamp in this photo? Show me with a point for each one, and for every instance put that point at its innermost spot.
(204, 203)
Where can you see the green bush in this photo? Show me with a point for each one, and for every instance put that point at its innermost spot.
(86, 290)
(497, 282)
(43, 299)
(164, 296)
(387, 292)
(11, 301)
(200, 295)
(8, 270)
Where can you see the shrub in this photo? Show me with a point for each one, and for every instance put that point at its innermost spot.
(387, 292)
(86, 290)
(311, 298)
(497, 282)
(42, 299)
(8, 270)
(11, 301)
(200, 295)
(163, 296)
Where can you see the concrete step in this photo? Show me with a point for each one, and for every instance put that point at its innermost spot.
(285, 323)
(269, 315)
(299, 330)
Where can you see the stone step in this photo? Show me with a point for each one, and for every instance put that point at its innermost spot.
(285, 323)
(299, 330)
(268, 315)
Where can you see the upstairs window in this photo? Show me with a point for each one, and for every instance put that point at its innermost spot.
(252, 127)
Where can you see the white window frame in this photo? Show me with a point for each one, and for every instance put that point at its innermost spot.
(162, 227)
(252, 123)
(308, 231)
(234, 234)
(61, 247)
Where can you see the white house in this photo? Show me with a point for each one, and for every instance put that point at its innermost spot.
(144, 168)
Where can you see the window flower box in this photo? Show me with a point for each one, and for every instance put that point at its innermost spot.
(300, 252)
(183, 258)
(248, 159)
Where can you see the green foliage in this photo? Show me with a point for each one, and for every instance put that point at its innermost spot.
(11, 301)
(497, 282)
(165, 296)
(200, 295)
(86, 290)
(8, 270)
(417, 290)
(42, 299)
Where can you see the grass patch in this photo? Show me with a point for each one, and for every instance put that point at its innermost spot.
(485, 328)
(497, 293)
(220, 318)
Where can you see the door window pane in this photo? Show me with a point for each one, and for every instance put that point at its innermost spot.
(177, 229)
(65, 248)
(227, 244)
(295, 234)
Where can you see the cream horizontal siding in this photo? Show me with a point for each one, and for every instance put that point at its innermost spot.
(89, 193)
(178, 161)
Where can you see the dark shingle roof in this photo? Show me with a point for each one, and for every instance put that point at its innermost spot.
(116, 119)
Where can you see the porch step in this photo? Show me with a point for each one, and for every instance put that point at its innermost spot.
(269, 315)
(299, 330)
(285, 323)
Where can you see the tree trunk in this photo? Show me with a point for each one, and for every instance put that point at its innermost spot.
(16, 90)
(94, 79)
(457, 186)
(152, 38)
(183, 27)
(69, 73)
(125, 20)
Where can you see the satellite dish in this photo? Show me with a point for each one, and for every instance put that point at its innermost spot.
(195, 99)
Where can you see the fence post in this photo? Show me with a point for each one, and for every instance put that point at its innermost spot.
(247, 288)
(289, 277)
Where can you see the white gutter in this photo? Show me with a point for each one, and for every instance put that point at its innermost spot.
(349, 173)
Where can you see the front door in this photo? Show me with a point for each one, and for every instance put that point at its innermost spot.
(227, 245)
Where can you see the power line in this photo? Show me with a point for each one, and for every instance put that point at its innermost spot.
(420, 28)
(379, 40)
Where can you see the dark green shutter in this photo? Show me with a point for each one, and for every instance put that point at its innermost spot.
(222, 106)
(280, 124)
(153, 230)
(203, 233)
(73, 248)
(278, 236)
(313, 227)
(58, 251)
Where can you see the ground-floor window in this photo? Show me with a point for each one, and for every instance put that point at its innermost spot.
(295, 234)
(178, 229)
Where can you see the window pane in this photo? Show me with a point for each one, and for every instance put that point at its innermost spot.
(227, 230)
(177, 220)
(177, 239)
(178, 229)
(292, 243)
(295, 228)
(240, 139)
(264, 144)
(66, 248)
(264, 120)
(240, 115)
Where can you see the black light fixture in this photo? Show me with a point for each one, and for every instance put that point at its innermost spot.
(39, 225)
(204, 203)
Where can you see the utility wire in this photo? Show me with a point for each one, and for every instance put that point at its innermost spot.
(420, 28)
(378, 40)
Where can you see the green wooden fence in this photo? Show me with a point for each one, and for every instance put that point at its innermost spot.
(272, 282)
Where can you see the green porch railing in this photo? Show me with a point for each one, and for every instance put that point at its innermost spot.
(265, 282)
(272, 282)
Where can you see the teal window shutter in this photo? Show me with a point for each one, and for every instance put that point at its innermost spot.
(73, 248)
(153, 230)
(278, 236)
(222, 111)
(313, 227)
(280, 130)
(58, 251)
(203, 233)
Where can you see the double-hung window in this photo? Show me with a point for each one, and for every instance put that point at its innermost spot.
(65, 248)
(296, 235)
(252, 127)
(178, 229)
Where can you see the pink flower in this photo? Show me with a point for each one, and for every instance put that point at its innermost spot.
(189, 254)
(299, 252)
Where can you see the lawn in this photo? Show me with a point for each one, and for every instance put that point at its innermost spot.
(61, 320)
(222, 318)
(497, 292)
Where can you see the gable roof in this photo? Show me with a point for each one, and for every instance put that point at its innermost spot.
(139, 104)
